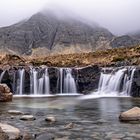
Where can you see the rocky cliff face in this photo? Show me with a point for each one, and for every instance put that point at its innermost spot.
(124, 41)
(47, 33)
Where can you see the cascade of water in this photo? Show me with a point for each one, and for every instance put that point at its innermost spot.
(1, 76)
(128, 82)
(21, 83)
(35, 82)
(69, 82)
(61, 80)
(116, 83)
(39, 85)
(47, 82)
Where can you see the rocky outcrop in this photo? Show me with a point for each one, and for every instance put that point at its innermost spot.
(131, 115)
(88, 79)
(124, 41)
(135, 91)
(5, 94)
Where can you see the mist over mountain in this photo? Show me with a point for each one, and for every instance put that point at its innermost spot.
(50, 32)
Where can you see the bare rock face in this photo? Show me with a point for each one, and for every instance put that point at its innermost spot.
(124, 41)
(5, 94)
(57, 35)
(131, 115)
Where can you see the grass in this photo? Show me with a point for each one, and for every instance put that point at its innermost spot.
(101, 58)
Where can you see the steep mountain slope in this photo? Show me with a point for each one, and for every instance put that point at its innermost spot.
(124, 41)
(136, 34)
(47, 33)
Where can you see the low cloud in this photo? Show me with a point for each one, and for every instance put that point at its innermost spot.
(119, 16)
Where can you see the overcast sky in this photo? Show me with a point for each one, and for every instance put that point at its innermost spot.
(119, 16)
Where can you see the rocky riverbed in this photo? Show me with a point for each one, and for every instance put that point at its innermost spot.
(73, 119)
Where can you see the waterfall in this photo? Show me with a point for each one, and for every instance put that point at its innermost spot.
(21, 81)
(69, 82)
(47, 82)
(39, 85)
(128, 80)
(35, 82)
(66, 82)
(1, 76)
(117, 82)
(61, 80)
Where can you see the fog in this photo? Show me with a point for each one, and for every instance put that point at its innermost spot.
(119, 16)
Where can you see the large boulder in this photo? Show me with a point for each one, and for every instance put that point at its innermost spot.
(12, 132)
(3, 135)
(5, 94)
(131, 115)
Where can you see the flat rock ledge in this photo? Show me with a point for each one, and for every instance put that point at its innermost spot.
(10, 132)
(5, 94)
(130, 115)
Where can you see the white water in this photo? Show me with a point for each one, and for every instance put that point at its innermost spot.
(40, 82)
(115, 83)
(66, 83)
(21, 84)
(61, 80)
(69, 82)
(39, 86)
(35, 82)
(47, 82)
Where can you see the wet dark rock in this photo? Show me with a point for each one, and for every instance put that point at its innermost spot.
(131, 115)
(88, 79)
(53, 75)
(135, 90)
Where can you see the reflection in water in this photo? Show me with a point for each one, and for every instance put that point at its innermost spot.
(45, 103)
(108, 106)
(94, 115)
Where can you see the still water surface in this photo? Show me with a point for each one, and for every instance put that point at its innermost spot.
(93, 118)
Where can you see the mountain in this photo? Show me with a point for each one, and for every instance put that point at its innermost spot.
(136, 34)
(46, 33)
(124, 41)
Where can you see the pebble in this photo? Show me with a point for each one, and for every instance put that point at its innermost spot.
(50, 119)
(27, 118)
(15, 112)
